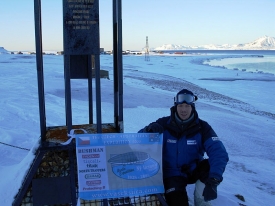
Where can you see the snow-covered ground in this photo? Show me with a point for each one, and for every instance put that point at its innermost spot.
(238, 104)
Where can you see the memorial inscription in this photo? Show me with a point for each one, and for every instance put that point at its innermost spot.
(81, 27)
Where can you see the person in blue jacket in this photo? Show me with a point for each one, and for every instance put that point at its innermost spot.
(186, 139)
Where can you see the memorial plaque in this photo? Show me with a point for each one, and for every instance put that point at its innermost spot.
(81, 27)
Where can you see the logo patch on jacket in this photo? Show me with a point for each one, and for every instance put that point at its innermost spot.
(191, 142)
(172, 141)
(215, 139)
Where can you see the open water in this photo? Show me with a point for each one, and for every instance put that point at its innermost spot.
(247, 61)
(256, 61)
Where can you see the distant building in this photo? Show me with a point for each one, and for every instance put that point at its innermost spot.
(180, 53)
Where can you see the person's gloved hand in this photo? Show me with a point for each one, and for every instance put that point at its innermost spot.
(210, 190)
(154, 128)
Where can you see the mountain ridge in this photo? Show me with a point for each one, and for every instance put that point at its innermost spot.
(262, 43)
(3, 51)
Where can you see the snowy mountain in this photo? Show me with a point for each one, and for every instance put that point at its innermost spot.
(262, 43)
(3, 51)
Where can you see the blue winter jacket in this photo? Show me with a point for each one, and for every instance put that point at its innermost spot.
(186, 147)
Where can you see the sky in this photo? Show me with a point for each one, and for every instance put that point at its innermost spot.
(237, 104)
(188, 22)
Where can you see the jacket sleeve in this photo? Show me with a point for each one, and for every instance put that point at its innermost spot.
(215, 150)
(144, 129)
(162, 121)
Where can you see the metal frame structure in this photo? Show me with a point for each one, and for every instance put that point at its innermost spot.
(118, 75)
(147, 57)
(46, 147)
(35, 182)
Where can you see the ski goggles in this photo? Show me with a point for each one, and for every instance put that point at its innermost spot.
(185, 98)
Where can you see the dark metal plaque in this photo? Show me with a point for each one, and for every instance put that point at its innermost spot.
(81, 27)
(79, 66)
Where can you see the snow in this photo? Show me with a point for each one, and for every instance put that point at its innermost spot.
(238, 104)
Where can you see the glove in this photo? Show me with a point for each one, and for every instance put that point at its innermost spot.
(210, 190)
(154, 128)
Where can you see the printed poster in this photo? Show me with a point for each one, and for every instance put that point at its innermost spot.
(113, 165)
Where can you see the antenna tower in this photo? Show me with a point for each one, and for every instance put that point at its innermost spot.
(147, 58)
